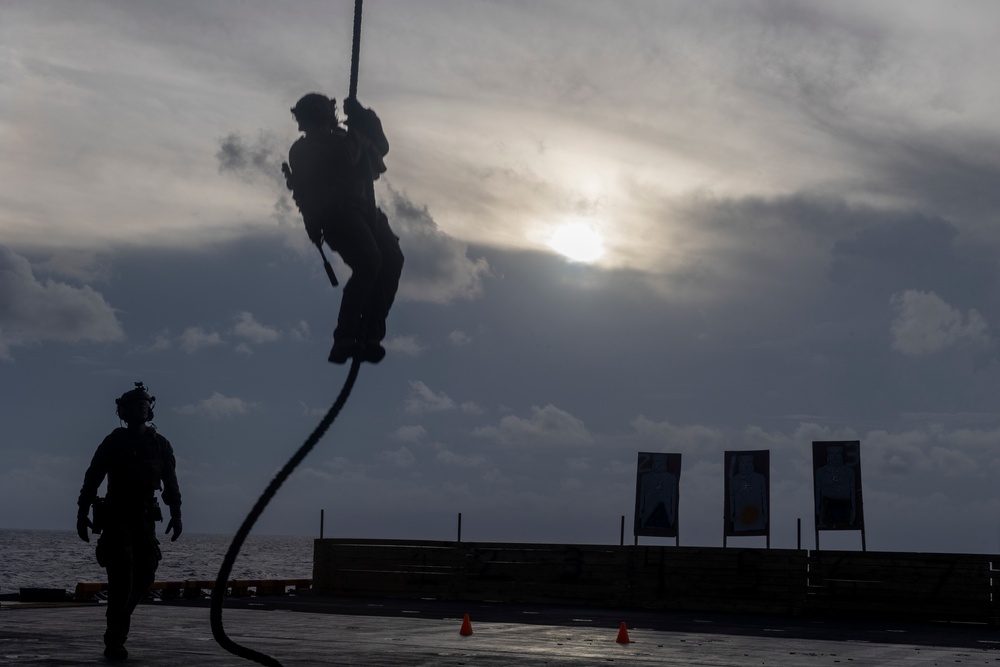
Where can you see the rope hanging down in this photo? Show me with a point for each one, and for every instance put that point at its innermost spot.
(221, 582)
(355, 49)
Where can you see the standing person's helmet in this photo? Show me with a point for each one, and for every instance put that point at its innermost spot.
(313, 107)
(126, 400)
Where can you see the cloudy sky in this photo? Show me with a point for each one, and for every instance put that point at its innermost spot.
(686, 227)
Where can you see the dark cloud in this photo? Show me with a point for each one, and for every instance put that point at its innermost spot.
(767, 252)
(943, 165)
(798, 302)
(896, 251)
(892, 253)
(438, 267)
(32, 311)
(916, 238)
(259, 160)
(953, 175)
(809, 250)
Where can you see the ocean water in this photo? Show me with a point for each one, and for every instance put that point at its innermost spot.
(60, 559)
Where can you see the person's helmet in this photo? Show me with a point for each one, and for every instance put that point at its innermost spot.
(125, 401)
(313, 107)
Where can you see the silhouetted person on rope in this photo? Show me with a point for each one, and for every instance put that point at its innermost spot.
(137, 461)
(331, 172)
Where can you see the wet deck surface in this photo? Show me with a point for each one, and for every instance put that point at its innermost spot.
(334, 631)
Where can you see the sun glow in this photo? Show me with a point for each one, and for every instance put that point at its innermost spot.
(577, 241)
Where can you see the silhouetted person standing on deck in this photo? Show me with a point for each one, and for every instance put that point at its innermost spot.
(331, 172)
(137, 461)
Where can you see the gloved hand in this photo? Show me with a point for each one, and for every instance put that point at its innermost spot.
(352, 106)
(175, 525)
(83, 526)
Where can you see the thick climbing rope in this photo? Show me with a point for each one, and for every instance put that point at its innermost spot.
(355, 50)
(222, 581)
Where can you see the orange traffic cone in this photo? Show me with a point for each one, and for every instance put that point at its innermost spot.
(466, 627)
(623, 635)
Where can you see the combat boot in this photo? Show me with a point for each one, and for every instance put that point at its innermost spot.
(115, 652)
(374, 352)
(343, 350)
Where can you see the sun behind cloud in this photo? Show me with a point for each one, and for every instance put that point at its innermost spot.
(577, 241)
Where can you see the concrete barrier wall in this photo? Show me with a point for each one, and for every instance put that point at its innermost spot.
(945, 586)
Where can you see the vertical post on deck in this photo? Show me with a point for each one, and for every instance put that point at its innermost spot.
(321, 524)
(459, 526)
